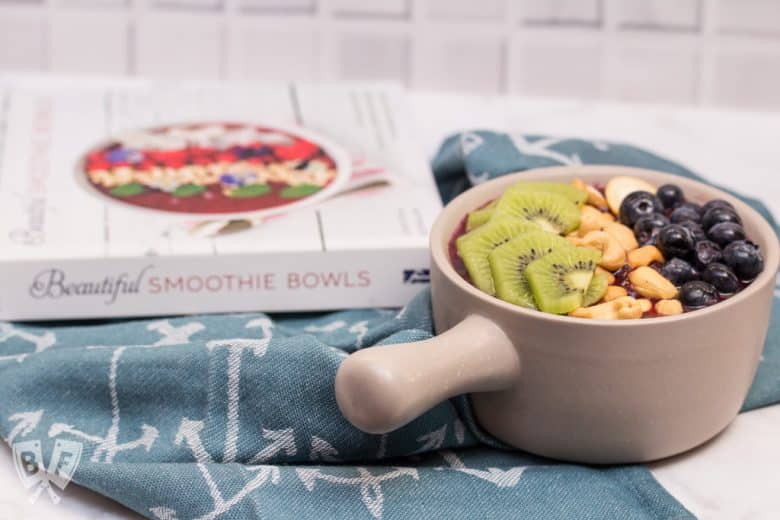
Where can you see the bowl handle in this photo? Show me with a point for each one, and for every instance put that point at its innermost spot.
(382, 388)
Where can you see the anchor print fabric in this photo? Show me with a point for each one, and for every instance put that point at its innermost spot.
(234, 416)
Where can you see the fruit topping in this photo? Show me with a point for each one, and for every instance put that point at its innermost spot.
(568, 191)
(695, 229)
(678, 271)
(508, 263)
(670, 195)
(552, 212)
(637, 205)
(649, 283)
(643, 256)
(705, 252)
(721, 277)
(558, 248)
(698, 294)
(646, 228)
(744, 258)
(474, 247)
(623, 308)
(675, 240)
(618, 188)
(726, 233)
(597, 289)
(559, 280)
(668, 307)
(609, 275)
(479, 216)
(717, 203)
(718, 215)
(686, 211)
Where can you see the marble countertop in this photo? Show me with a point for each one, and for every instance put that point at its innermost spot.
(734, 476)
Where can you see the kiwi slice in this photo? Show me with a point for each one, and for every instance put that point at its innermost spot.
(479, 216)
(474, 247)
(508, 263)
(596, 290)
(551, 211)
(559, 280)
(572, 193)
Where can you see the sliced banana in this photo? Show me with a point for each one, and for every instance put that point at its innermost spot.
(619, 187)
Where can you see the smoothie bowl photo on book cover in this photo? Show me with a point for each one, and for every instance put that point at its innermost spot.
(214, 169)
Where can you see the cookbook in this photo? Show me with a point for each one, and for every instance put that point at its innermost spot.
(136, 198)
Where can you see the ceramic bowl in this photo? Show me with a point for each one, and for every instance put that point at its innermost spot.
(574, 389)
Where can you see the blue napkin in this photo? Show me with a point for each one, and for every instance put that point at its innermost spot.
(233, 416)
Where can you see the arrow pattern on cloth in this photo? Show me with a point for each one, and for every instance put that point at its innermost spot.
(26, 422)
(321, 449)
(107, 447)
(431, 441)
(370, 485)
(498, 477)
(281, 441)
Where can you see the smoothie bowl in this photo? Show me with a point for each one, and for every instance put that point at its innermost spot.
(214, 170)
(602, 315)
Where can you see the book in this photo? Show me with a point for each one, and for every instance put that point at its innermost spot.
(123, 198)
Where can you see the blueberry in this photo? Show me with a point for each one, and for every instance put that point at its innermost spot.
(670, 196)
(744, 258)
(675, 241)
(718, 215)
(698, 294)
(706, 252)
(717, 203)
(646, 228)
(685, 211)
(637, 205)
(721, 277)
(726, 233)
(695, 229)
(678, 271)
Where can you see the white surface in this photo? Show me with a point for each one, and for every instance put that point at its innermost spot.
(732, 477)
(711, 52)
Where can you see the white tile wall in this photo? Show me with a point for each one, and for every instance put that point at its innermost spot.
(711, 52)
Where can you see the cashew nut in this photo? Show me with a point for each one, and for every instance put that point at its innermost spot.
(613, 256)
(624, 308)
(645, 304)
(614, 292)
(668, 307)
(643, 256)
(592, 219)
(649, 283)
(623, 234)
(595, 198)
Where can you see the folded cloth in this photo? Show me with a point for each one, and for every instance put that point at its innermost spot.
(234, 416)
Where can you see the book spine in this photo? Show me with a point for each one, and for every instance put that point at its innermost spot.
(149, 286)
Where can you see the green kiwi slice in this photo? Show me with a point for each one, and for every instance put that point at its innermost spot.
(577, 196)
(474, 247)
(508, 263)
(551, 211)
(479, 216)
(559, 280)
(596, 290)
